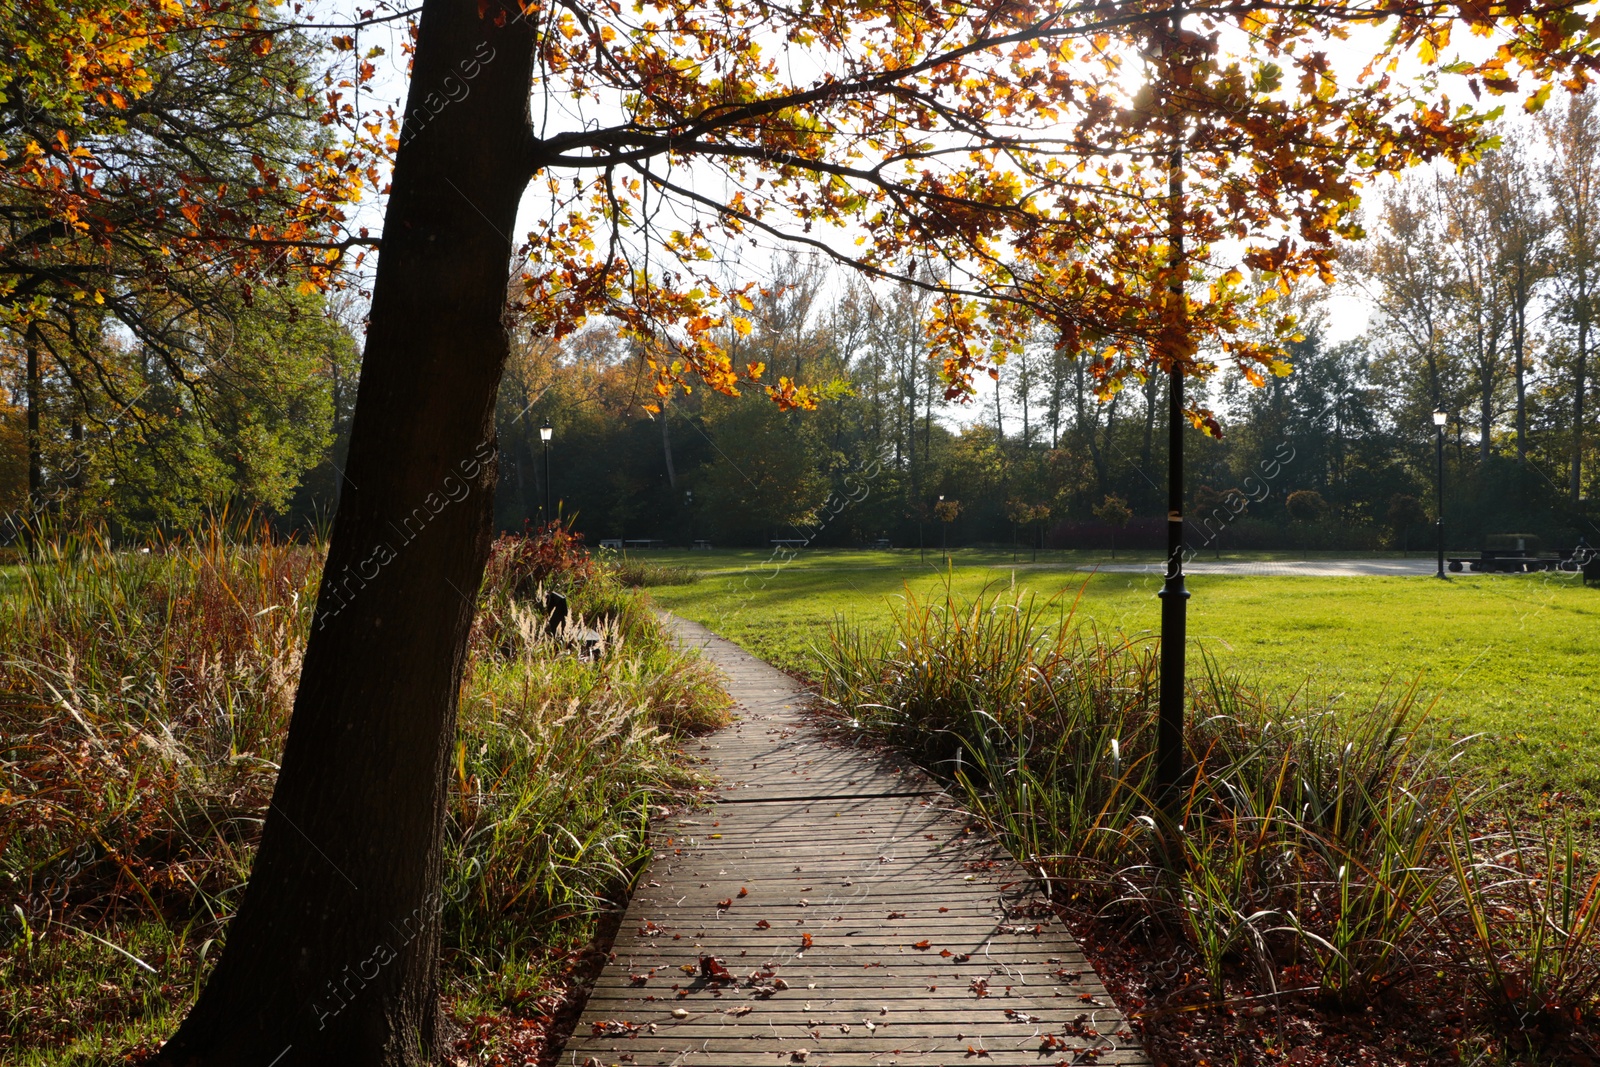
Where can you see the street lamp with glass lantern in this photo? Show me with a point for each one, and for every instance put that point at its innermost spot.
(545, 433)
(1439, 420)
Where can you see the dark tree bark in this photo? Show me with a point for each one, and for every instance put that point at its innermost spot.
(1152, 393)
(33, 392)
(999, 414)
(1580, 385)
(1519, 351)
(333, 955)
(1486, 384)
(666, 449)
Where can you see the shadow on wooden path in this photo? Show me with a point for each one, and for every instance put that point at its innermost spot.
(832, 910)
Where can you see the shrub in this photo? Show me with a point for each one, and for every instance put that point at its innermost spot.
(1305, 505)
(640, 573)
(551, 556)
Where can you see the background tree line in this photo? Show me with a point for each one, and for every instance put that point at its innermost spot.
(1482, 294)
(1482, 287)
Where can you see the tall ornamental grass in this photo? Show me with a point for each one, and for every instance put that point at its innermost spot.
(1338, 855)
(144, 697)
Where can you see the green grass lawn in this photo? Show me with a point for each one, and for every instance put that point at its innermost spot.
(1516, 658)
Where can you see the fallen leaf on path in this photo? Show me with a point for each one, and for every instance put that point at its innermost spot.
(713, 968)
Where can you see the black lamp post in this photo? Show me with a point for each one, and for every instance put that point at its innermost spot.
(1177, 346)
(545, 433)
(1439, 420)
(944, 527)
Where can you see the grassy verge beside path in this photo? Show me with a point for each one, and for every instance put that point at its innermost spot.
(144, 700)
(1515, 657)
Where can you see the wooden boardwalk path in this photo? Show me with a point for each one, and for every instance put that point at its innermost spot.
(832, 910)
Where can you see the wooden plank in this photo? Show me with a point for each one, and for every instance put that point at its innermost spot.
(917, 925)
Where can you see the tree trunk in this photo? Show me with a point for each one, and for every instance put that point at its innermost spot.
(999, 417)
(1519, 345)
(518, 468)
(1152, 385)
(1485, 414)
(1025, 377)
(1057, 388)
(666, 449)
(333, 956)
(1580, 383)
(33, 392)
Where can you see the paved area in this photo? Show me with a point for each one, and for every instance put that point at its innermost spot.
(832, 909)
(1320, 568)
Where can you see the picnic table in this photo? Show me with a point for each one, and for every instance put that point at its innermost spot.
(1509, 563)
(1521, 554)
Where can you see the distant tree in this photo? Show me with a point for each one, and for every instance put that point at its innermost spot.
(1115, 513)
(1410, 267)
(1214, 510)
(1405, 511)
(1573, 172)
(1474, 206)
(261, 434)
(1523, 228)
(158, 163)
(1023, 513)
(1306, 505)
(766, 479)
